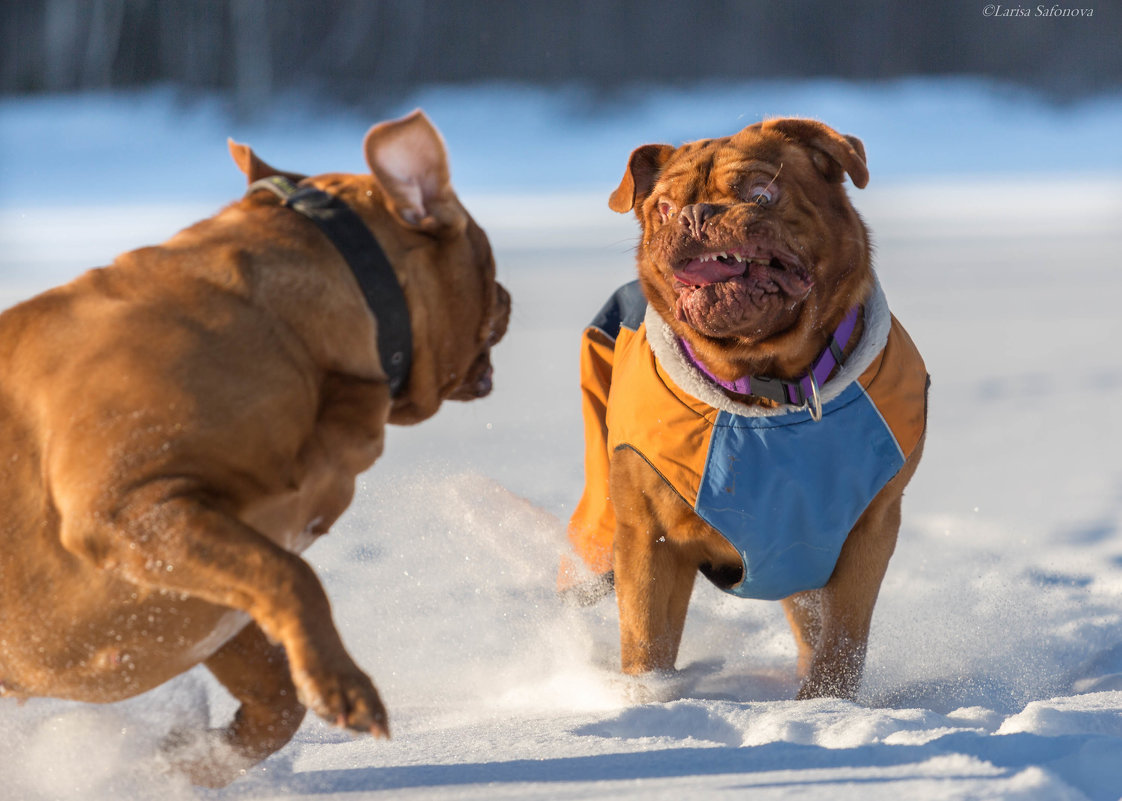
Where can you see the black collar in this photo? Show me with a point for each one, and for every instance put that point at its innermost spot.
(358, 247)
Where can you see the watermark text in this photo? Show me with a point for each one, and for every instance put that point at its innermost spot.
(1000, 10)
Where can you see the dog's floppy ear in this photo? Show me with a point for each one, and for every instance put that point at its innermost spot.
(833, 153)
(254, 168)
(642, 171)
(408, 159)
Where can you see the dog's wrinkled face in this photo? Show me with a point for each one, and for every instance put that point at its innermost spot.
(750, 246)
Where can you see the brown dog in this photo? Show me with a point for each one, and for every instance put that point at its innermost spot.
(755, 411)
(175, 428)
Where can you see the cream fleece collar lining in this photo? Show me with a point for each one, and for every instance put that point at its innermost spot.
(666, 348)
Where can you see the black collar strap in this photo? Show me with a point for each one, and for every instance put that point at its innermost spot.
(358, 247)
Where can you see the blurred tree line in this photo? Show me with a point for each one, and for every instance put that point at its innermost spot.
(362, 50)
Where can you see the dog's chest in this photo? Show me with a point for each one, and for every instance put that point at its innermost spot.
(784, 490)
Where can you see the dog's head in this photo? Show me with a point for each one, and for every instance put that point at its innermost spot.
(750, 248)
(441, 257)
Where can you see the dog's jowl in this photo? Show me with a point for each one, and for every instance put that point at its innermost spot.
(176, 427)
(753, 410)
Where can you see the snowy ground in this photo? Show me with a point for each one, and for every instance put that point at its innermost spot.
(995, 667)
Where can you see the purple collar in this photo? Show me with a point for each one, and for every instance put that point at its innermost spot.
(802, 391)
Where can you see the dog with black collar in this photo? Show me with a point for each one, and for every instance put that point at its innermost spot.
(177, 427)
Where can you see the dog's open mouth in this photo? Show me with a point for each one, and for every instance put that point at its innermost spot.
(479, 380)
(719, 290)
(782, 273)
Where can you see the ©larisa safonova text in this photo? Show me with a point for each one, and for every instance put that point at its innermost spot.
(998, 10)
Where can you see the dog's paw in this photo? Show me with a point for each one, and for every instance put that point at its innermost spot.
(653, 687)
(347, 699)
(588, 592)
(204, 756)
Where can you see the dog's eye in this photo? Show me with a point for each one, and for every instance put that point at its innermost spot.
(761, 194)
(666, 210)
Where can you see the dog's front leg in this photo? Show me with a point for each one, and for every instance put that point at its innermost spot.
(653, 591)
(171, 536)
(839, 624)
(836, 618)
(653, 577)
(804, 614)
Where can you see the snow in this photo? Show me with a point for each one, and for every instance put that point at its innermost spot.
(995, 663)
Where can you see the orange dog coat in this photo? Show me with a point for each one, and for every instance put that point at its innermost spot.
(782, 488)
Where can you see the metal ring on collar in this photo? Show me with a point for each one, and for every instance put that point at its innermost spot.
(815, 408)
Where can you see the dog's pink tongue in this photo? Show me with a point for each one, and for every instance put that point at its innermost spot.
(702, 273)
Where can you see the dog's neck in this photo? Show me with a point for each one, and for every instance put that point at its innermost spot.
(801, 391)
(868, 341)
(367, 261)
